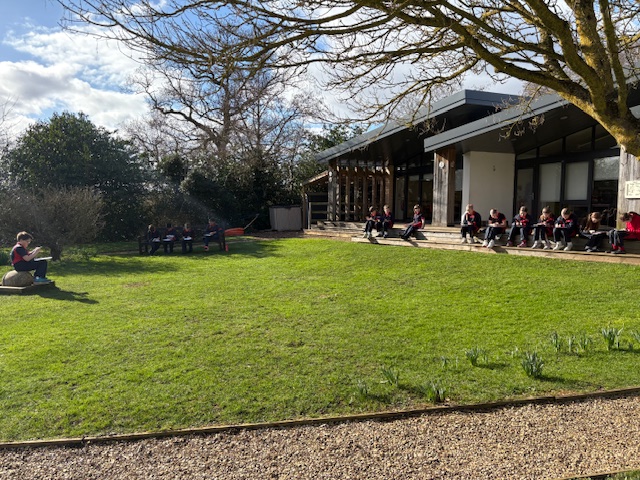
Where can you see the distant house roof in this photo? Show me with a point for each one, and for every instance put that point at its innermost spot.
(458, 109)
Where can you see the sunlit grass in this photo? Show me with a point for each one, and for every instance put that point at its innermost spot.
(294, 328)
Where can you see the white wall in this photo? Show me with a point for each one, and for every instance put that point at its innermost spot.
(487, 182)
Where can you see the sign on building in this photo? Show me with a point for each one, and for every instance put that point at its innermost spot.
(632, 189)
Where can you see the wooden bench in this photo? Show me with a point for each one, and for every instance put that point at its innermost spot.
(143, 244)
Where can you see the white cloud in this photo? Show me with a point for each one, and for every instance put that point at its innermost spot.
(68, 72)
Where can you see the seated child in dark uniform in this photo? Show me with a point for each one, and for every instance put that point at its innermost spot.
(187, 238)
(373, 221)
(543, 230)
(416, 223)
(24, 260)
(496, 224)
(593, 233)
(170, 237)
(212, 232)
(565, 229)
(386, 221)
(522, 225)
(153, 239)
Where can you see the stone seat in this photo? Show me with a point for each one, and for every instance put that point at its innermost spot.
(14, 278)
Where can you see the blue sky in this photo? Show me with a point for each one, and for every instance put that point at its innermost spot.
(45, 70)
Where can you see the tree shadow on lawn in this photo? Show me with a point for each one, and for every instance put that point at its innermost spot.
(254, 247)
(56, 293)
(493, 365)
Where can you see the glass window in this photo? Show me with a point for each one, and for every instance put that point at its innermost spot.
(427, 197)
(524, 189)
(579, 141)
(576, 181)
(550, 149)
(550, 174)
(400, 202)
(606, 168)
(413, 194)
(527, 155)
(603, 139)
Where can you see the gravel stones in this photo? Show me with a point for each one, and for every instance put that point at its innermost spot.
(525, 442)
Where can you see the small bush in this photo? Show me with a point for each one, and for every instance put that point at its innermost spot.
(4, 258)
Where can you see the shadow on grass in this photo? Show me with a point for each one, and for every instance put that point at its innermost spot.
(493, 365)
(154, 264)
(55, 293)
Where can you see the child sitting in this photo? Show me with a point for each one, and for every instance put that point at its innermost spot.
(543, 230)
(565, 228)
(496, 224)
(470, 224)
(386, 221)
(24, 260)
(416, 223)
(630, 232)
(373, 221)
(592, 232)
(521, 224)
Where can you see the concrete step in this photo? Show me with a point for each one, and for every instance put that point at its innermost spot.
(628, 259)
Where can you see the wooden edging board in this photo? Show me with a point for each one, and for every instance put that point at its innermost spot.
(381, 416)
(23, 290)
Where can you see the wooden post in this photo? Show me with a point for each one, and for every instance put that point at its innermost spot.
(444, 186)
(332, 193)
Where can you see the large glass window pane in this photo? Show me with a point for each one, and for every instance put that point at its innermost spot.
(413, 194)
(527, 155)
(606, 168)
(550, 174)
(400, 201)
(427, 197)
(603, 139)
(576, 181)
(524, 189)
(551, 149)
(579, 141)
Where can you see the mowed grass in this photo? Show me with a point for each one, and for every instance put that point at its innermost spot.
(283, 329)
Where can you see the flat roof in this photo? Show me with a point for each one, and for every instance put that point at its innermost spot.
(461, 99)
(498, 120)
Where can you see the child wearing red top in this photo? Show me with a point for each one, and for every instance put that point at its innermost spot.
(630, 232)
(24, 260)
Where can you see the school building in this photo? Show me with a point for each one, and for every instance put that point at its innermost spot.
(482, 148)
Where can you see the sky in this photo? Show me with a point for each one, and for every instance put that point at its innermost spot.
(46, 70)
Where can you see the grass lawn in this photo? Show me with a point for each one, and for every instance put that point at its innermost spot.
(282, 329)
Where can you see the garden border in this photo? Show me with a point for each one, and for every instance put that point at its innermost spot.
(380, 416)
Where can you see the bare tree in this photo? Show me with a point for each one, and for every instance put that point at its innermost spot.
(403, 51)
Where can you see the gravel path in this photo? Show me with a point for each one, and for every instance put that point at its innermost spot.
(525, 442)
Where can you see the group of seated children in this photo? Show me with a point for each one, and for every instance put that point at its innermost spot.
(381, 222)
(170, 235)
(548, 228)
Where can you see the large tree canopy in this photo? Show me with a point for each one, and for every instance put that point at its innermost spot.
(70, 151)
(586, 51)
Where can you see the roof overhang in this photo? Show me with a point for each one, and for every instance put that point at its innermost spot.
(456, 102)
